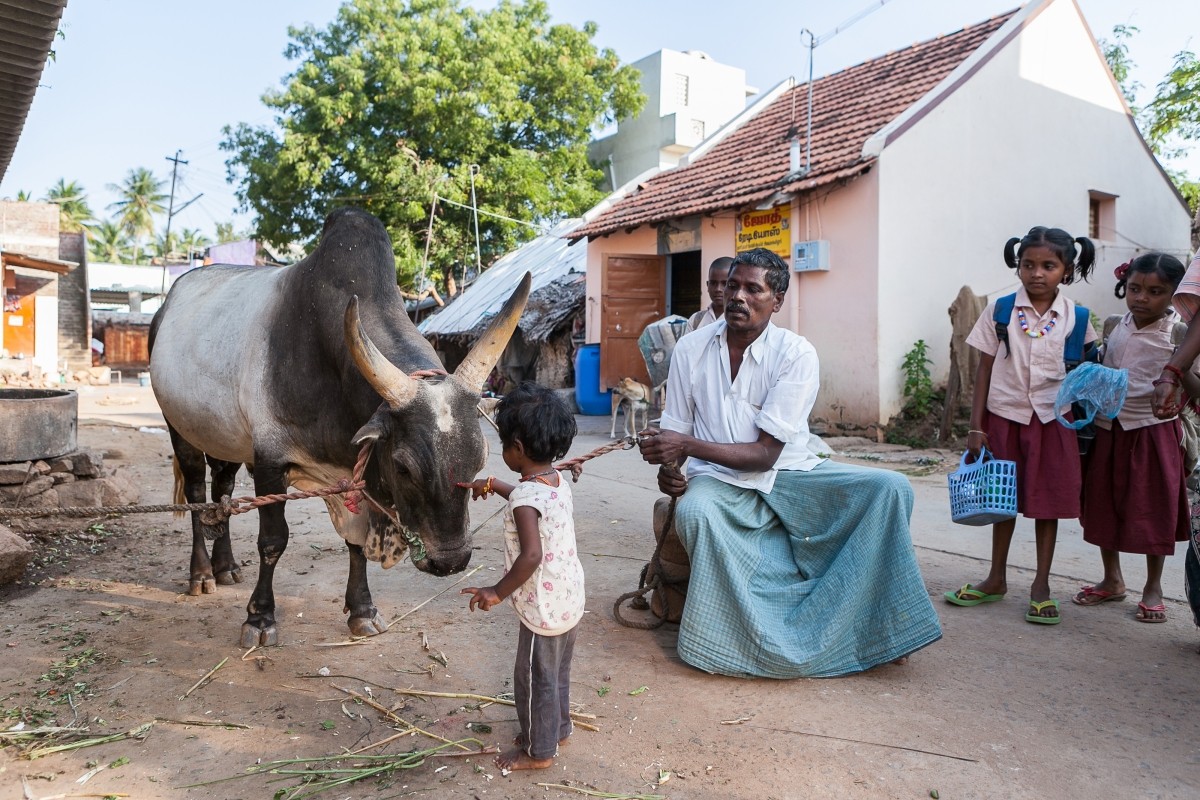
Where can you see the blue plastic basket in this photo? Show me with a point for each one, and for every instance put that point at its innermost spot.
(983, 492)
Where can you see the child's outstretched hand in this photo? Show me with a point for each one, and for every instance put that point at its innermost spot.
(481, 487)
(484, 598)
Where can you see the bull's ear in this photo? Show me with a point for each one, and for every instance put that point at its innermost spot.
(371, 432)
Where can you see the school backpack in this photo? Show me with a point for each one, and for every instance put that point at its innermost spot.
(1075, 351)
(1188, 417)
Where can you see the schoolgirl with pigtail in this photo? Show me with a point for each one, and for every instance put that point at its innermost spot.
(1135, 496)
(1013, 412)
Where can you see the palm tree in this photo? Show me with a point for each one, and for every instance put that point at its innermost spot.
(74, 214)
(141, 198)
(191, 241)
(109, 242)
(23, 196)
(225, 233)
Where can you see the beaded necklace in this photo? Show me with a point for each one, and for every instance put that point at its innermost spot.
(540, 477)
(1049, 326)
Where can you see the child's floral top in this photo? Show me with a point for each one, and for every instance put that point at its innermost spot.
(551, 601)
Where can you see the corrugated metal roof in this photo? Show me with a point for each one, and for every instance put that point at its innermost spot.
(547, 258)
(27, 29)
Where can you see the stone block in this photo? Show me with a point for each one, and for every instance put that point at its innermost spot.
(62, 465)
(36, 485)
(46, 499)
(87, 463)
(119, 489)
(41, 468)
(82, 494)
(15, 555)
(14, 472)
(62, 477)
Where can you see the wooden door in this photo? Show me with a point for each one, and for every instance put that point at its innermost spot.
(633, 294)
(20, 323)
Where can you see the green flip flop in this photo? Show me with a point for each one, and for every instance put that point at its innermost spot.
(1036, 609)
(967, 596)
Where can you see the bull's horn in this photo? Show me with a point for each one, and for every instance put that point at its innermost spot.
(476, 367)
(393, 385)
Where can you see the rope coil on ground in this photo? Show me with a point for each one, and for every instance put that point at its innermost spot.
(638, 596)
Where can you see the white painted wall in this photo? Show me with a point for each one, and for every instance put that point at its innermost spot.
(666, 129)
(45, 333)
(1019, 144)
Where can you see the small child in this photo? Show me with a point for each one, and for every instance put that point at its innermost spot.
(543, 574)
(1013, 409)
(1135, 497)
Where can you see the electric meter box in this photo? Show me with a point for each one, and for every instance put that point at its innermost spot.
(810, 256)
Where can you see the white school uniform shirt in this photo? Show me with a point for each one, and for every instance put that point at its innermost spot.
(1142, 352)
(1026, 377)
(775, 391)
(701, 319)
(551, 601)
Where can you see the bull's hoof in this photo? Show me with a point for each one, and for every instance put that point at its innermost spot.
(229, 577)
(253, 636)
(201, 586)
(362, 626)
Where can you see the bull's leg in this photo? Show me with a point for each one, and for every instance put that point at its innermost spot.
(224, 566)
(364, 617)
(190, 463)
(259, 627)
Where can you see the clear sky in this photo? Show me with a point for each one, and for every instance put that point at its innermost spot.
(136, 80)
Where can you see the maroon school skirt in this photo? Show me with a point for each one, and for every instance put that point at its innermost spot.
(1135, 498)
(1048, 473)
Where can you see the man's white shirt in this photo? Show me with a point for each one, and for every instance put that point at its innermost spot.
(775, 391)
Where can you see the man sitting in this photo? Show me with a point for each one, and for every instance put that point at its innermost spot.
(800, 566)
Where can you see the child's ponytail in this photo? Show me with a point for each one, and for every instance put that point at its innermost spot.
(1010, 252)
(1087, 257)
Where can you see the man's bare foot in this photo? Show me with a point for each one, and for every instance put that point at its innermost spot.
(901, 661)
(519, 759)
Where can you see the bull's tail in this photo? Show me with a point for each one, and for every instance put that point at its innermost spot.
(178, 497)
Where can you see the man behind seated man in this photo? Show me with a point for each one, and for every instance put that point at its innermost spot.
(718, 272)
(800, 566)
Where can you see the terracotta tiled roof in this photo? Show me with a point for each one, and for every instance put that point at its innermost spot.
(752, 162)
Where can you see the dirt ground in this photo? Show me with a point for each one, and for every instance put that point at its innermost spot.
(101, 632)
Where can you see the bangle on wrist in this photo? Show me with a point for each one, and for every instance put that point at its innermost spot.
(981, 433)
(487, 488)
(1174, 370)
(1167, 381)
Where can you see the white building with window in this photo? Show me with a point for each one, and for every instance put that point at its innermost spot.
(689, 96)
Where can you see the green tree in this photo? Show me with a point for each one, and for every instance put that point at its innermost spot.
(397, 99)
(141, 197)
(192, 241)
(109, 243)
(225, 233)
(1116, 53)
(1172, 117)
(74, 213)
(23, 196)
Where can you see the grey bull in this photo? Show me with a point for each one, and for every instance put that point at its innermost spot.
(290, 371)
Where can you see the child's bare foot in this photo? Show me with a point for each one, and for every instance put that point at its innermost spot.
(519, 759)
(519, 741)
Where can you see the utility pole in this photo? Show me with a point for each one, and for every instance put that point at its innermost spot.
(171, 212)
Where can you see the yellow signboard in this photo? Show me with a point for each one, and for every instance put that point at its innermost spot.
(770, 229)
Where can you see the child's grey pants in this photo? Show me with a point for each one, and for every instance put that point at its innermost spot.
(542, 690)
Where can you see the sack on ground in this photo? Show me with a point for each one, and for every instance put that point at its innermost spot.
(666, 601)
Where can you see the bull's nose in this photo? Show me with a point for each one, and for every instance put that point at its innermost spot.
(446, 564)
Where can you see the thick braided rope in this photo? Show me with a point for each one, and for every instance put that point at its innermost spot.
(575, 465)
